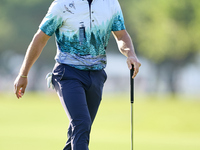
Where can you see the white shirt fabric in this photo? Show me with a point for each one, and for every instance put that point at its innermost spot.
(63, 19)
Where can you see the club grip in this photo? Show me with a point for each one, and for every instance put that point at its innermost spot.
(132, 84)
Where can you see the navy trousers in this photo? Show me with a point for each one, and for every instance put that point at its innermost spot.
(80, 93)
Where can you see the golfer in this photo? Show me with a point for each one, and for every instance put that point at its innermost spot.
(82, 29)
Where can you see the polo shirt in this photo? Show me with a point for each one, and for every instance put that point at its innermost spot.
(99, 19)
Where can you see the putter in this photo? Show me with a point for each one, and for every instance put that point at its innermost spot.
(132, 101)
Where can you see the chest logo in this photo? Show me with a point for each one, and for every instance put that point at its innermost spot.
(72, 5)
(67, 10)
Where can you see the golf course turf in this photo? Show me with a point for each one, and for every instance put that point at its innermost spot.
(38, 121)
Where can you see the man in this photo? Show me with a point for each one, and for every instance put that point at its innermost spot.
(82, 29)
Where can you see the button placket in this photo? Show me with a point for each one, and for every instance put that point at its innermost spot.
(92, 18)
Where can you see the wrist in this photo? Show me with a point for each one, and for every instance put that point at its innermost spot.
(131, 53)
(23, 76)
(132, 57)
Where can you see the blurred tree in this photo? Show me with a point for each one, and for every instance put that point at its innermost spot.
(165, 31)
(19, 20)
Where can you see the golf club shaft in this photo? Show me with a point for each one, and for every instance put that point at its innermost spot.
(132, 140)
(132, 101)
(132, 84)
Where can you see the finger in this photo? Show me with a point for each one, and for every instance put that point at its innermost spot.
(17, 91)
(129, 65)
(132, 66)
(135, 74)
(136, 69)
(23, 90)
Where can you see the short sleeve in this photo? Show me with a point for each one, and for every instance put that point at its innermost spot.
(53, 19)
(118, 20)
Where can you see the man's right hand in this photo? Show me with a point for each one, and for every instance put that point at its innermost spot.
(33, 52)
(20, 86)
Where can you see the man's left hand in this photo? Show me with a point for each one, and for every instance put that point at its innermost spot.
(133, 61)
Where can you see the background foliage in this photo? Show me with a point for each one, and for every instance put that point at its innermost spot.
(166, 32)
(164, 29)
(161, 29)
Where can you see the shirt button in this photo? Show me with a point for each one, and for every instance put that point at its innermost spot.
(92, 12)
(92, 20)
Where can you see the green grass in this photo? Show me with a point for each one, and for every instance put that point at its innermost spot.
(38, 122)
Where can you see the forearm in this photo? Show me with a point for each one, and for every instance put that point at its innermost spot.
(125, 45)
(33, 52)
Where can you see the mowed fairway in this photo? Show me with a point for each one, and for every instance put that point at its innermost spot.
(38, 122)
